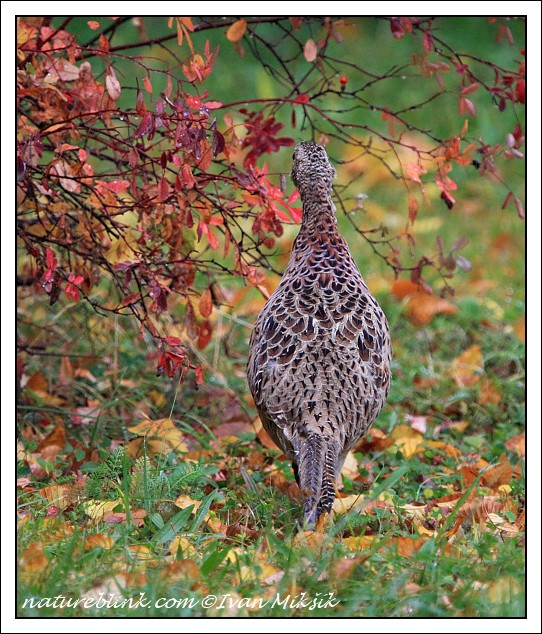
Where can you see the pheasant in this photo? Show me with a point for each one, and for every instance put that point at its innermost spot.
(320, 352)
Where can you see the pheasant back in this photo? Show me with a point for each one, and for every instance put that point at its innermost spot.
(320, 352)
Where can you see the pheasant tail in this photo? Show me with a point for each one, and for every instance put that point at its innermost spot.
(316, 474)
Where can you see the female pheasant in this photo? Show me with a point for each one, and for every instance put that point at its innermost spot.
(320, 352)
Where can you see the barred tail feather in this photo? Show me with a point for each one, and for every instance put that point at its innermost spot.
(317, 463)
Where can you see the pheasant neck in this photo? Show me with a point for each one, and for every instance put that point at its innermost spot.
(318, 212)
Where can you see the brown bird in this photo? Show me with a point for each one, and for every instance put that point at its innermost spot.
(320, 352)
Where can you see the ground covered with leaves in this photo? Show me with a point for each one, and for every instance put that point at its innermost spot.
(152, 497)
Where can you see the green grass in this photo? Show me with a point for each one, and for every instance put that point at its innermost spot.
(480, 574)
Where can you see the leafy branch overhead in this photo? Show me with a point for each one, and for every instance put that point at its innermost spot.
(133, 170)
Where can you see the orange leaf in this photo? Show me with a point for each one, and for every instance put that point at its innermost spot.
(54, 443)
(98, 540)
(33, 559)
(310, 50)
(147, 84)
(57, 495)
(404, 288)
(516, 444)
(181, 570)
(422, 307)
(206, 303)
(236, 30)
(466, 369)
(412, 208)
(499, 474)
(263, 436)
(489, 393)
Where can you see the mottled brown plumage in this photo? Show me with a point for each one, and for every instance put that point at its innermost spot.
(320, 353)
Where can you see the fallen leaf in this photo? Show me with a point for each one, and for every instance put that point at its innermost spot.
(315, 541)
(263, 436)
(350, 467)
(98, 509)
(99, 540)
(344, 567)
(342, 505)
(375, 440)
(467, 368)
(418, 423)
(406, 546)
(163, 430)
(58, 495)
(181, 570)
(407, 439)
(181, 543)
(516, 444)
(358, 542)
(142, 553)
(420, 306)
(439, 445)
(498, 474)
(33, 559)
(489, 394)
(503, 590)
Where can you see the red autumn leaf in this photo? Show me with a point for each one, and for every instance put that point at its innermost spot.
(213, 105)
(520, 91)
(205, 333)
(103, 44)
(303, 98)
(219, 142)
(293, 197)
(468, 90)
(199, 375)
(188, 178)
(146, 125)
(119, 187)
(72, 292)
(414, 171)
(141, 108)
(397, 28)
(203, 228)
(194, 102)
(173, 341)
(163, 189)
(507, 200)
(50, 259)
